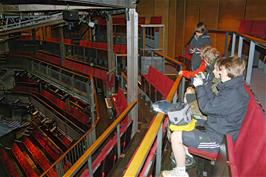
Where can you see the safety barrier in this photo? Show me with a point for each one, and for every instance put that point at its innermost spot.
(154, 131)
(86, 158)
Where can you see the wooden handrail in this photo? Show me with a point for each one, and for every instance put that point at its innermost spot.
(258, 40)
(143, 150)
(170, 59)
(83, 159)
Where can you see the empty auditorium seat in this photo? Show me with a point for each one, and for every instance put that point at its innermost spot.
(38, 156)
(160, 82)
(8, 164)
(22, 161)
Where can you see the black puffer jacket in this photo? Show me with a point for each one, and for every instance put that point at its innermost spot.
(198, 42)
(225, 110)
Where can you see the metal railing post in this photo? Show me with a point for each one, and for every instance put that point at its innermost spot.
(240, 46)
(233, 44)
(226, 44)
(181, 90)
(90, 167)
(159, 151)
(250, 62)
(118, 140)
(59, 168)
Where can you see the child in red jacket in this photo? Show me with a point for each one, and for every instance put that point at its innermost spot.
(209, 56)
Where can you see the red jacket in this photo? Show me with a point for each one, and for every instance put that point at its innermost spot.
(189, 74)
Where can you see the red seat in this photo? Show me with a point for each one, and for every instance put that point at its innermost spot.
(259, 29)
(160, 82)
(203, 154)
(247, 156)
(245, 26)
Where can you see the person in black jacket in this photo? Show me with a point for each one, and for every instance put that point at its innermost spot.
(225, 112)
(199, 40)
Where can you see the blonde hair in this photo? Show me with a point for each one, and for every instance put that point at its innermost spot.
(234, 66)
(210, 54)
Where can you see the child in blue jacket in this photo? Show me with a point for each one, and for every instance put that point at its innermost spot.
(200, 40)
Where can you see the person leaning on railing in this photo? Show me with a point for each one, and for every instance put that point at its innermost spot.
(225, 111)
(199, 40)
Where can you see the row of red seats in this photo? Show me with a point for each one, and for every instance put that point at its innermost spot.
(160, 82)
(253, 27)
(68, 64)
(118, 48)
(22, 161)
(53, 152)
(81, 117)
(38, 157)
(8, 164)
(72, 65)
(20, 88)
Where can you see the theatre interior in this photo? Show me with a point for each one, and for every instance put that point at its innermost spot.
(79, 78)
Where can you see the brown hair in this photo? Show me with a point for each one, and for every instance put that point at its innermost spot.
(210, 54)
(235, 66)
(201, 28)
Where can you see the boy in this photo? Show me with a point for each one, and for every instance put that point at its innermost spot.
(197, 43)
(225, 112)
(209, 55)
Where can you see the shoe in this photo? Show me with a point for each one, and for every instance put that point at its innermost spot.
(188, 163)
(174, 173)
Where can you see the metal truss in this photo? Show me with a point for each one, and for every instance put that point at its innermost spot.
(11, 23)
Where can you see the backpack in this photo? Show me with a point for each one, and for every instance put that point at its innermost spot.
(179, 113)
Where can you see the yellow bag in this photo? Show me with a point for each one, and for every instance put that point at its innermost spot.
(188, 127)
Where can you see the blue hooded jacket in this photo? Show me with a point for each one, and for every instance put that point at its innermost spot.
(226, 110)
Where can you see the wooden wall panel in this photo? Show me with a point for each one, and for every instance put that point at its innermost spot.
(180, 26)
(216, 14)
(172, 28)
(255, 10)
(229, 18)
(191, 18)
(209, 13)
(161, 8)
(145, 8)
